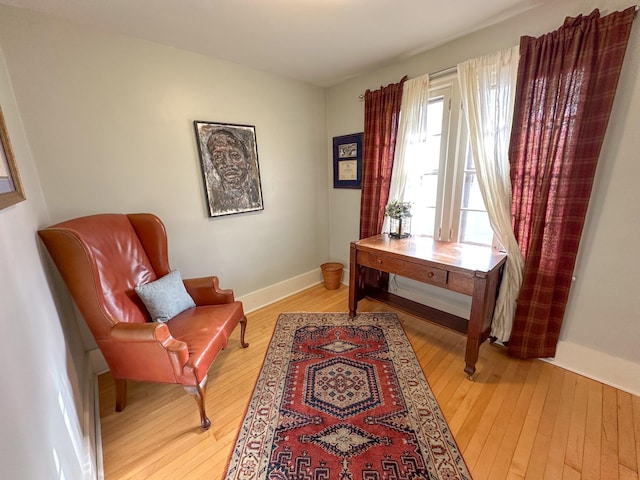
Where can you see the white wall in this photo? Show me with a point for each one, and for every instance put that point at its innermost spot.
(41, 399)
(603, 314)
(110, 122)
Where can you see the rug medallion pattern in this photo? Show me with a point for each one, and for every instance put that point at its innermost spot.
(343, 398)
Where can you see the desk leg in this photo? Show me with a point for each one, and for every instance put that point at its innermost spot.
(482, 306)
(354, 281)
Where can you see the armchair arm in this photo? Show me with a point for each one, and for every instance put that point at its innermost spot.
(149, 347)
(206, 291)
(152, 332)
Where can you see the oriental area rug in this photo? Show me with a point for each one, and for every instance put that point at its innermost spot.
(343, 398)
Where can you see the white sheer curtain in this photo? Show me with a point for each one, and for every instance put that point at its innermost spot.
(488, 86)
(412, 131)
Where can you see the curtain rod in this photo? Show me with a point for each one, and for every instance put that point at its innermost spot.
(443, 72)
(439, 73)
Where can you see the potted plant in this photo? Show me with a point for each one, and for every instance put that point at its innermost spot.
(399, 214)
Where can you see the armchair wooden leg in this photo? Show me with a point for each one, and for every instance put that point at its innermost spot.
(243, 328)
(198, 392)
(121, 394)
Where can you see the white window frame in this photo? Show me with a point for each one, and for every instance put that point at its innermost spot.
(453, 152)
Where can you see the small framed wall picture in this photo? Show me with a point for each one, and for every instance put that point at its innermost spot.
(347, 161)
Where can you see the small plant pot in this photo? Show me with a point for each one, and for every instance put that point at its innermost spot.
(332, 274)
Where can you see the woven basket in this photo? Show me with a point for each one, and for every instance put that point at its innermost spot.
(331, 274)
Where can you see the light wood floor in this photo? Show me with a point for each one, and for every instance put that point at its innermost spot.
(517, 419)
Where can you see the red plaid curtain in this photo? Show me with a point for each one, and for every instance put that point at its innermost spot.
(381, 114)
(567, 80)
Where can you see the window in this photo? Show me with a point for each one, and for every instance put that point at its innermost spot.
(441, 180)
(425, 158)
(474, 219)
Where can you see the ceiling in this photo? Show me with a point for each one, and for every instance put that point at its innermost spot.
(322, 42)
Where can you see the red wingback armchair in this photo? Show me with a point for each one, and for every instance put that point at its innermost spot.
(102, 258)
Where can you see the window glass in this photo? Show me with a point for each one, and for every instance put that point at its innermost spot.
(442, 184)
(474, 219)
(423, 163)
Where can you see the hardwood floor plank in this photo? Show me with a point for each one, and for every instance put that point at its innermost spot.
(626, 434)
(499, 426)
(558, 445)
(447, 380)
(540, 450)
(575, 440)
(569, 473)
(593, 433)
(468, 397)
(635, 401)
(625, 474)
(524, 447)
(485, 385)
(508, 422)
(503, 460)
(443, 358)
(609, 453)
(457, 392)
(472, 453)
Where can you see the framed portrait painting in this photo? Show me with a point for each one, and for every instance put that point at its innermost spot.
(347, 161)
(230, 170)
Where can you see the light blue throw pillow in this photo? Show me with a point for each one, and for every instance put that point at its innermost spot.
(166, 297)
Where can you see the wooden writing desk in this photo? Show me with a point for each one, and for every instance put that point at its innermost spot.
(468, 269)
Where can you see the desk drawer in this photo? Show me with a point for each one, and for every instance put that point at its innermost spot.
(435, 276)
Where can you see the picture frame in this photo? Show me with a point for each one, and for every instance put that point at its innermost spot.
(230, 169)
(11, 191)
(347, 161)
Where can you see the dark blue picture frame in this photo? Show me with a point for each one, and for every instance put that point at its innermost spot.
(347, 161)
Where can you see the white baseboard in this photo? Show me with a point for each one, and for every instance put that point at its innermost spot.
(90, 419)
(97, 366)
(602, 367)
(97, 429)
(97, 362)
(271, 294)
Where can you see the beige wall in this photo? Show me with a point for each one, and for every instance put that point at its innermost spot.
(603, 316)
(110, 123)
